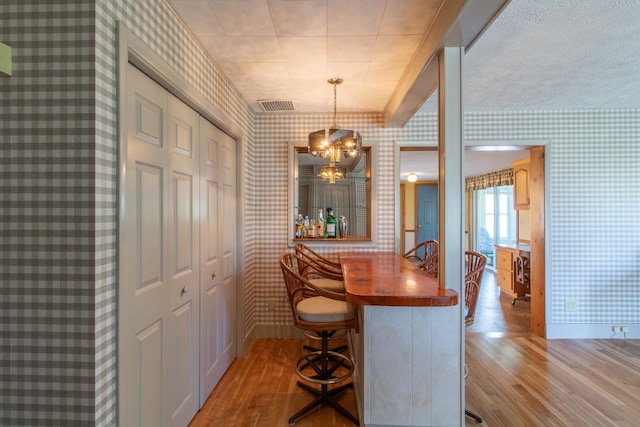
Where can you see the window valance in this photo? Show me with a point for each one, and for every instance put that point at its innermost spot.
(491, 179)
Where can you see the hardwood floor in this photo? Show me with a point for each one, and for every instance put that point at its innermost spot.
(515, 379)
(259, 390)
(495, 313)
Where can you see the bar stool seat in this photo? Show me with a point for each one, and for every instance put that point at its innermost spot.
(323, 310)
(325, 274)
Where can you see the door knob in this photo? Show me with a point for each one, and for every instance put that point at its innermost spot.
(213, 276)
(184, 290)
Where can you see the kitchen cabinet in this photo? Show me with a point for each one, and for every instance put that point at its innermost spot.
(521, 197)
(506, 256)
(504, 269)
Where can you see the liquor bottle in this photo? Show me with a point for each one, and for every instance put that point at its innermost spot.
(299, 226)
(320, 224)
(311, 229)
(331, 225)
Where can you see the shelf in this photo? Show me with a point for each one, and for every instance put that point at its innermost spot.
(311, 178)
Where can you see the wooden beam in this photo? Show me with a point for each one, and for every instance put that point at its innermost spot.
(457, 23)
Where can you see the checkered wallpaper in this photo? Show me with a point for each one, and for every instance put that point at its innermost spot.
(58, 200)
(592, 223)
(593, 226)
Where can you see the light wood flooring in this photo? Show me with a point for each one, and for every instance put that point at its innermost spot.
(515, 379)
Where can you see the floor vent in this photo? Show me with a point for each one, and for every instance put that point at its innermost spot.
(272, 105)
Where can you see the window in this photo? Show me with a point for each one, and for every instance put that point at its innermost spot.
(496, 219)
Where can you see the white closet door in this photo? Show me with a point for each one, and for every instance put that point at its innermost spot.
(182, 387)
(159, 259)
(217, 251)
(144, 282)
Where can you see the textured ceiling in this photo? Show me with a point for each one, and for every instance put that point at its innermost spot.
(556, 55)
(536, 55)
(287, 49)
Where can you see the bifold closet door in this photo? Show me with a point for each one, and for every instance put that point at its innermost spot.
(159, 247)
(218, 256)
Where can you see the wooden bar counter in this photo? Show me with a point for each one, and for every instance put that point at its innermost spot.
(386, 278)
(407, 351)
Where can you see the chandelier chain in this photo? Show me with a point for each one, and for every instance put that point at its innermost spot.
(335, 105)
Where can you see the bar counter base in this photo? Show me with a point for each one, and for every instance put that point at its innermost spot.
(407, 366)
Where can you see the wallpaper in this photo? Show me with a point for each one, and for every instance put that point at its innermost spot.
(58, 198)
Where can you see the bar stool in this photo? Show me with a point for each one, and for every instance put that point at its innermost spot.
(474, 269)
(322, 311)
(325, 274)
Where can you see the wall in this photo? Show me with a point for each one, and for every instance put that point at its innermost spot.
(592, 204)
(593, 230)
(273, 133)
(58, 201)
(58, 198)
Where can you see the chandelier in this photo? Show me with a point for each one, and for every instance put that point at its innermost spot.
(333, 143)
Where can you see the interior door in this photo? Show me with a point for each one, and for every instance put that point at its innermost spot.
(159, 264)
(218, 256)
(182, 387)
(144, 282)
(427, 215)
(337, 196)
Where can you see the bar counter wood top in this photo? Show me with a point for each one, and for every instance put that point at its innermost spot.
(386, 278)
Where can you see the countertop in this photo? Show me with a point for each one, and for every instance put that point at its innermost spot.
(517, 247)
(386, 278)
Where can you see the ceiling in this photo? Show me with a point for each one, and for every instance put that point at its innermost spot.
(287, 49)
(536, 55)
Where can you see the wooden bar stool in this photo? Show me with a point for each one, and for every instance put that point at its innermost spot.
(474, 269)
(325, 274)
(321, 311)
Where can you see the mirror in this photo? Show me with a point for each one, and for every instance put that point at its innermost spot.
(348, 197)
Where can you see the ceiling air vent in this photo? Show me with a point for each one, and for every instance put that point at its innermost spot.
(274, 105)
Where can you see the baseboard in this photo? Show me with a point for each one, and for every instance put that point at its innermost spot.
(592, 331)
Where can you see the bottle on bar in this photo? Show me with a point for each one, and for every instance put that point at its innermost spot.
(320, 224)
(331, 226)
(311, 229)
(299, 226)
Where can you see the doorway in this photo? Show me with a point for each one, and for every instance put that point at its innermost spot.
(492, 156)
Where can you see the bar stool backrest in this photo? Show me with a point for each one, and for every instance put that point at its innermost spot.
(474, 266)
(299, 288)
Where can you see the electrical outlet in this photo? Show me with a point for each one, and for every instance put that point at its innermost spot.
(614, 329)
(624, 329)
(570, 305)
(271, 303)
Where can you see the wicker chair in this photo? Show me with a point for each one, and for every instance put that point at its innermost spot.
(421, 251)
(322, 311)
(474, 269)
(325, 273)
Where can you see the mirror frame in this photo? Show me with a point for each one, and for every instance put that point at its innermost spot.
(293, 150)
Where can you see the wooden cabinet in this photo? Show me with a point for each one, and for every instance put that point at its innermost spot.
(521, 198)
(504, 269)
(506, 257)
